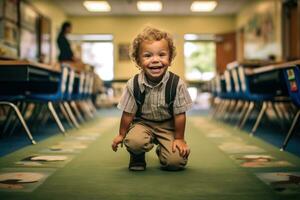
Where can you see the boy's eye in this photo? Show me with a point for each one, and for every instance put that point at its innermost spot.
(146, 55)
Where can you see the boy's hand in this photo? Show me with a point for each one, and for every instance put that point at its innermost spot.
(182, 147)
(117, 140)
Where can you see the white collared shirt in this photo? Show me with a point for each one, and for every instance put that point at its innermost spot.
(155, 107)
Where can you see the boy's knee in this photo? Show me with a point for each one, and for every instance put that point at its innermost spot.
(173, 162)
(138, 140)
(137, 146)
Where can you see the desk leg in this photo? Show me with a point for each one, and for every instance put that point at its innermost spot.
(58, 122)
(21, 119)
(288, 137)
(260, 115)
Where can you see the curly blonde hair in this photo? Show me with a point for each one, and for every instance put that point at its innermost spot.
(151, 34)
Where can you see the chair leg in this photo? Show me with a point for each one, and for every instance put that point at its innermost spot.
(245, 118)
(242, 113)
(8, 120)
(79, 116)
(70, 113)
(213, 107)
(57, 120)
(85, 110)
(278, 115)
(216, 108)
(89, 107)
(235, 110)
(23, 108)
(44, 115)
(231, 110)
(291, 110)
(285, 113)
(223, 109)
(92, 106)
(260, 115)
(288, 136)
(65, 114)
(227, 111)
(16, 109)
(12, 119)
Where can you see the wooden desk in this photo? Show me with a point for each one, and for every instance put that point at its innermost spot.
(269, 68)
(20, 77)
(270, 77)
(264, 79)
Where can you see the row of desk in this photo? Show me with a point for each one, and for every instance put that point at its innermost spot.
(19, 77)
(251, 85)
(48, 88)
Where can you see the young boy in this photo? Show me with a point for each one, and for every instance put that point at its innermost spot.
(149, 120)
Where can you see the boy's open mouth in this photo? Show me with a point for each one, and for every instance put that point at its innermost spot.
(156, 69)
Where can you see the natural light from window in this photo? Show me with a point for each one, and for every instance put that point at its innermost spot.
(99, 55)
(200, 60)
(96, 50)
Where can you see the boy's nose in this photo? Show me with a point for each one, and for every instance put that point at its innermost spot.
(155, 59)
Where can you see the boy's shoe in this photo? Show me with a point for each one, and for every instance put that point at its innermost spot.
(137, 162)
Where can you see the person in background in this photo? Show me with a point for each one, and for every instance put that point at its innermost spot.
(66, 54)
(154, 121)
(65, 51)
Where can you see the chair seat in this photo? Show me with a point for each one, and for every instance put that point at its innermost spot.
(259, 97)
(45, 97)
(11, 97)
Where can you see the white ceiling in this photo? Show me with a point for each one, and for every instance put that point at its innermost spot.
(170, 7)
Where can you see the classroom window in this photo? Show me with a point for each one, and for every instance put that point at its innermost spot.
(199, 57)
(96, 50)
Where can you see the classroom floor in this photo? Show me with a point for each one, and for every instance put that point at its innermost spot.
(225, 163)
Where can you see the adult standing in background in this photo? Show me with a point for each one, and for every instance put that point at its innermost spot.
(65, 51)
(66, 54)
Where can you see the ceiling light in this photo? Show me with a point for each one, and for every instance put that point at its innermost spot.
(97, 6)
(149, 6)
(203, 6)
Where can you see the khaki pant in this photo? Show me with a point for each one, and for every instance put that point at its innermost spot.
(142, 136)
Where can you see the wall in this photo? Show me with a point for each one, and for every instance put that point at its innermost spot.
(124, 28)
(225, 51)
(57, 16)
(261, 6)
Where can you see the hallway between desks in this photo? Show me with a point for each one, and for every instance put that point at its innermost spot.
(89, 169)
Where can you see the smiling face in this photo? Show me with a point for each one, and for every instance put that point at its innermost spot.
(154, 59)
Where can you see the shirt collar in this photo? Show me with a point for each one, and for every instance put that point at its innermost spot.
(143, 81)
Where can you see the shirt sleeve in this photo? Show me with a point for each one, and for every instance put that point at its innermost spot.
(183, 101)
(127, 102)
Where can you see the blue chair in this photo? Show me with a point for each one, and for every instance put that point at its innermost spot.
(85, 102)
(69, 98)
(75, 93)
(213, 91)
(292, 80)
(247, 85)
(232, 93)
(51, 98)
(237, 96)
(240, 94)
(220, 95)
